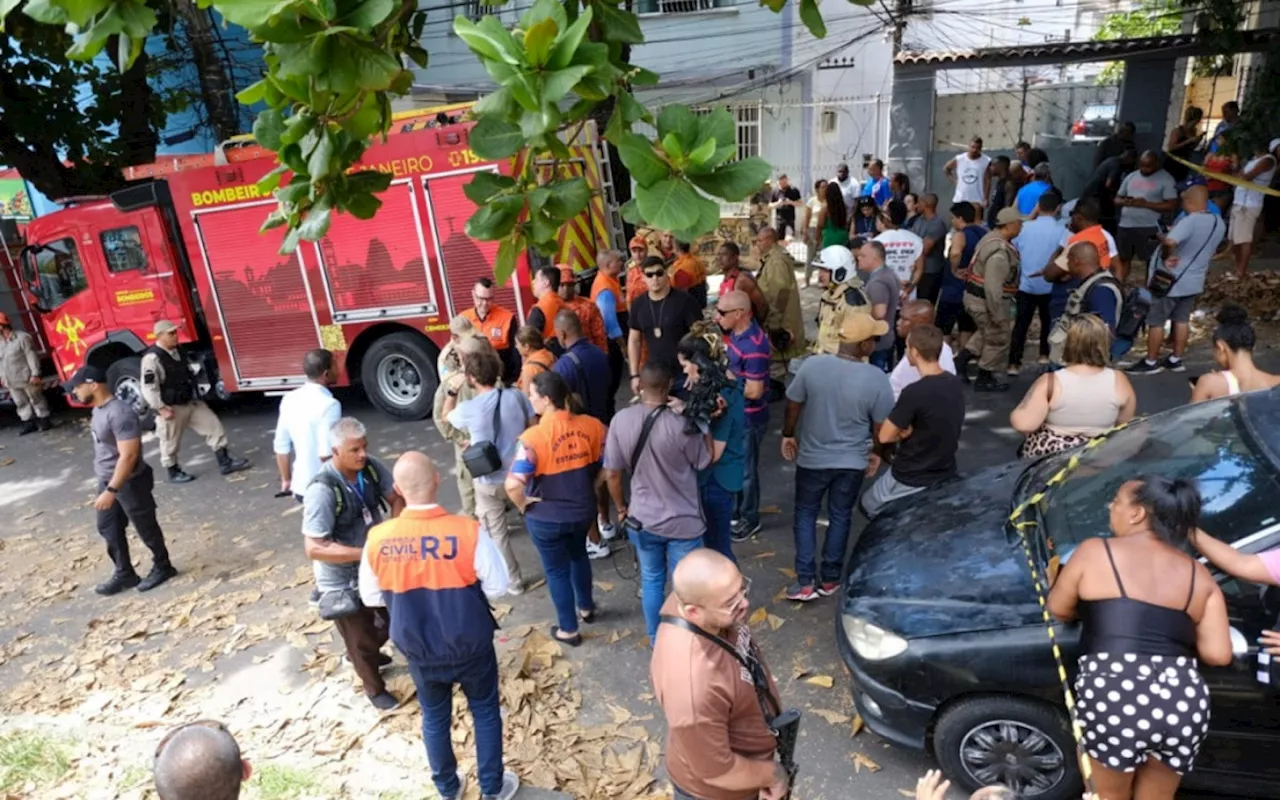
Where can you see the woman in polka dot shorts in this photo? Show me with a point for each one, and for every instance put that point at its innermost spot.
(1139, 695)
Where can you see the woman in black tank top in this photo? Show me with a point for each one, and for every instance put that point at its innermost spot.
(1150, 614)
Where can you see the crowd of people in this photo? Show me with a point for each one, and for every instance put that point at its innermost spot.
(911, 297)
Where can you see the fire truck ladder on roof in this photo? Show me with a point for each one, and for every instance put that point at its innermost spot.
(613, 217)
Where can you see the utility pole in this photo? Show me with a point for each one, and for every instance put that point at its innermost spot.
(902, 8)
(1022, 113)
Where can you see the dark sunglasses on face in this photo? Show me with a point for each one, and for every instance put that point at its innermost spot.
(656, 274)
(724, 311)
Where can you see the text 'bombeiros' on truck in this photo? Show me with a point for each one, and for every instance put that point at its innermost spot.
(181, 243)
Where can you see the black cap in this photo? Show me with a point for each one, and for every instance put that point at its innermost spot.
(86, 374)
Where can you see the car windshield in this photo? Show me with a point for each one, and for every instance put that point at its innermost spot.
(1238, 483)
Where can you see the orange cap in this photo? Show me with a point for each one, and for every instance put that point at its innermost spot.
(639, 241)
(566, 273)
(4, 319)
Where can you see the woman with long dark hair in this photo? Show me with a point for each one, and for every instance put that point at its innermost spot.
(833, 218)
(552, 483)
(1150, 614)
(1233, 342)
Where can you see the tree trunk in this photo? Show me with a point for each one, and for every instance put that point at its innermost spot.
(217, 90)
(40, 163)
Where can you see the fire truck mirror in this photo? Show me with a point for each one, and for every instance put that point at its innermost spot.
(31, 276)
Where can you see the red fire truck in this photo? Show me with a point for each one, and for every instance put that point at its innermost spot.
(378, 293)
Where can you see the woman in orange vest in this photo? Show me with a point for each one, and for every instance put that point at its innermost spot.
(552, 482)
(689, 273)
(534, 354)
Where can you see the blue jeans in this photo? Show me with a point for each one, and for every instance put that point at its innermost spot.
(747, 509)
(717, 507)
(841, 487)
(479, 680)
(562, 546)
(658, 558)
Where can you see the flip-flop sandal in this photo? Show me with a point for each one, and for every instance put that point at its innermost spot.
(574, 641)
(587, 616)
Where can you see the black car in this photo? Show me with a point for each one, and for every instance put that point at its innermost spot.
(943, 633)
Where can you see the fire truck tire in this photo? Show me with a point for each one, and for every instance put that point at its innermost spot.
(124, 376)
(399, 375)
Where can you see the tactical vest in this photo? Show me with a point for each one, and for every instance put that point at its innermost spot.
(985, 249)
(348, 518)
(1075, 307)
(177, 387)
(838, 300)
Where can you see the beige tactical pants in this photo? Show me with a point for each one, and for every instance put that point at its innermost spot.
(28, 398)
(466, 486)
(198, 417)
(491, 510)
(991, 342)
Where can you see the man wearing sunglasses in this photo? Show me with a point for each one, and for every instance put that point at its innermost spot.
(659, 319)
(749, 352)
(719, 745)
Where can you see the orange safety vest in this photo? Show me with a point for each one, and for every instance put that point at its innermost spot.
(592, 321)
(550, 305)
(690, 265)
(636, 284)
(537, 362)
(496, 327)
(605, 283)
(1095, 235)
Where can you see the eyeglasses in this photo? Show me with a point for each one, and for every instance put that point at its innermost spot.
(656, 274)
(740, 595)
(211, 724)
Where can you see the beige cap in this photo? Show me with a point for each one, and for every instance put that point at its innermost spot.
(859, 326)
(164, 326)
(460, 326)
(1008, 216)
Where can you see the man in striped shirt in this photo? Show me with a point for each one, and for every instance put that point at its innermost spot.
(748, 348)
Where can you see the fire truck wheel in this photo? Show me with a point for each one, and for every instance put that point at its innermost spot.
(125, 379)
(399, 375)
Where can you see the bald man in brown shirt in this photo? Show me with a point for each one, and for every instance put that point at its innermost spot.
(718, 744)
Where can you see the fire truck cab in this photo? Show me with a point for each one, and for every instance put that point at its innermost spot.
(378, 294)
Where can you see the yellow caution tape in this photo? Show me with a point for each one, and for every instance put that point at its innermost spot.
(1042, 583)
(1234, 180)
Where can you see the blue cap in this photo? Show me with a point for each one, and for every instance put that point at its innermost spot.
(1194, 179)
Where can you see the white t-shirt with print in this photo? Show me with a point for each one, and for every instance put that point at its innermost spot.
(901, 249)
(969, 175)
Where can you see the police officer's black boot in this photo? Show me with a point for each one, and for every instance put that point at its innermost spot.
(988, 382)
(27, 427)
(227, 464)
(44, 424)
(159, 574)
(176, 475)
(962, 360)
(118, 583)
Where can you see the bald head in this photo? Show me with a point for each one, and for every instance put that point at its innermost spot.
(704, 576)
(737, 300)
(1196, 198)
(919, 311)
(568, 326)
(200, 763)
(416, 479)
(1083, 259)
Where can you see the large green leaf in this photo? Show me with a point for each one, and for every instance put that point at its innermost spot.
(316, 225)
(706, 221)
(555, 85)
(494, 138)
(484, 185)
(669, 204)
(703, 153)
(545, 10)
(369, 180)
(375, 68)
(812, 18)
(489, 39)
(619, 25)
(499, 103)
(632, 109)
(679, 120)
(538, 41)
(247, 96)
(246, 13)
(370, 13)
(718, 125)
(267, 129)
(505, 262)
(567, 198)
(320, 163)
(566, 45)
(630, 212)
(492, 221)
(5, 7)
(644, 165)
(734, 181)
(80, 12)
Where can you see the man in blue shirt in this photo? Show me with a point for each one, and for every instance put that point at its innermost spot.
(876, 186)
(1030, 194)
(583, 366)
(1036, 244)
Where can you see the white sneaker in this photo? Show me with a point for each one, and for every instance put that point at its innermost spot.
(510, 785)
(515, 588)
(597, 551)
(608, 531)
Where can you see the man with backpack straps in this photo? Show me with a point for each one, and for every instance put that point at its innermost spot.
(352, 492)
(1098, 293)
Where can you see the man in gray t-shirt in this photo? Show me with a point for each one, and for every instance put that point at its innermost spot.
(1187, 248)
(350, 494)
(664, 485)
(884, 291)
(125, 484)
(838, 402)
(1144, 196)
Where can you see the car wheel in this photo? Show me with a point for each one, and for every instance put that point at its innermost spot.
(124, 376)
(399, 375)
(1023, 744)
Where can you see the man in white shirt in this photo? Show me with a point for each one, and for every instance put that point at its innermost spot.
(848, 186)
(903, 250)
(971, 173)
(915, 313)
(306, 416)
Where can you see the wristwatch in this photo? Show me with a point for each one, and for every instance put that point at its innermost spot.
(113, 490)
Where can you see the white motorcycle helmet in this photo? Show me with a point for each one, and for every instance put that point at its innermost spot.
(838, 259)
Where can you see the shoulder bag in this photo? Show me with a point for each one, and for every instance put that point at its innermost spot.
(1163, 278)
(483, 458)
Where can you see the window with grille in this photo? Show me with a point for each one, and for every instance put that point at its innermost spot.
(675, 6)
(828, 120)
(746, 128)
(123, 249)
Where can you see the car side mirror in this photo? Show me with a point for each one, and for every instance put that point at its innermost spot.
(31, 276)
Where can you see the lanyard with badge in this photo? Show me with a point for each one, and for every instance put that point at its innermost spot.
(358, 488)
